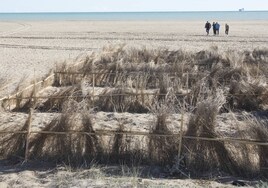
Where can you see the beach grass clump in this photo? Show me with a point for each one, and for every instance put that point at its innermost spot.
(207, 58)
(20, 93)
(119, 143)
(250, 156)
(65, 75)
(126, 149)
(260, 54)
(162, 146)
(206, 155)
(13, 145)
(259, 131)
(55, 102)
(121, 100)
(70, 139)
(24, 105)
(109, 65)
(248, 96)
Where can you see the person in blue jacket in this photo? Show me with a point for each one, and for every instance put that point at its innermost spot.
(217, 27)
(214, 28)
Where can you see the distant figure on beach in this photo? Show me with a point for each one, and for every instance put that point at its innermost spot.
(226, 29)
(207, 26)
(214, 28)
(217, 27)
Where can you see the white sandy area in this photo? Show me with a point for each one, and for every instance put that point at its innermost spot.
(28, 47)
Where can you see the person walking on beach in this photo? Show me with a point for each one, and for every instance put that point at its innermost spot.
(217, 27)
(207, 26)
(226, 29)
(214, 28)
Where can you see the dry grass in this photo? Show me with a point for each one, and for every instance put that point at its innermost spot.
(122, 100)
(207, 83)
(259, 131)
(57, 101)
(13, 145)
(162, 149)
(126, 149)
(248, 96)
(207, 156)
(73, 149)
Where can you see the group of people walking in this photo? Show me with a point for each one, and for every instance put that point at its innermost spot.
(216, 28)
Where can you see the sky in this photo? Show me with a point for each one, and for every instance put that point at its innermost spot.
(129, 5)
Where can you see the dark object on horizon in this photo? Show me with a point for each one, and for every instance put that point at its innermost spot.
(241, 9)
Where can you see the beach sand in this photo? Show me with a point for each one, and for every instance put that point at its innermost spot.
(28, 48)
(31, 49)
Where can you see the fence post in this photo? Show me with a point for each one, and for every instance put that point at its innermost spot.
(181, 130)
(9, 103)
(28, 135)
(34, 91)
(258, 69)
(182, 118)
(187, 82)
(93, 71)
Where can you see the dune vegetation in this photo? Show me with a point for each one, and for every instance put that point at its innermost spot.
(202, 88)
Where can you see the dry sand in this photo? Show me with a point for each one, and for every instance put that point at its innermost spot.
(33, 48)
(28, 47)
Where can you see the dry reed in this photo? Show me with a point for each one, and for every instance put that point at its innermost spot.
(73, 149)
(162, 150)
(13, 144)
(207, 156)
(205, 77)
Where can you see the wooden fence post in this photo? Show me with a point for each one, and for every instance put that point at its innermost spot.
(8, 103)
(34, 92)
(28, 135)
(181, 135)
(182, 118)
(93, 72)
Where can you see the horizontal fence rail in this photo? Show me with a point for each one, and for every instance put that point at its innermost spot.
(136, 133)
(117, 95)
(133, 72)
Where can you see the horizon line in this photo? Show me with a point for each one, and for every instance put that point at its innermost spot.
(175, 11)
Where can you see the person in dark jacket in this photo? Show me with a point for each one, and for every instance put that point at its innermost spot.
(207, 26)
(226, 29)
(214, 28)
(217, 27)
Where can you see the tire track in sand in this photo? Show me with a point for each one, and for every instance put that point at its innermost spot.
(23, 27)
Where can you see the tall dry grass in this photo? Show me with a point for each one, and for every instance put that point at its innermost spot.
(156, 81)
(13, 145)
(71, 148)
(136, 71)
(162, 149)
(202, 155)
(259, 131)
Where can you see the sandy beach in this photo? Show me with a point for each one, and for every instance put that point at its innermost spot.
(28, 47)
(31, 49)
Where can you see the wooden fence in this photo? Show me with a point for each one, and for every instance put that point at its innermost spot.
(51, 78)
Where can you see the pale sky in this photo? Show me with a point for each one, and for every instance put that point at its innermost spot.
(129, 5)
